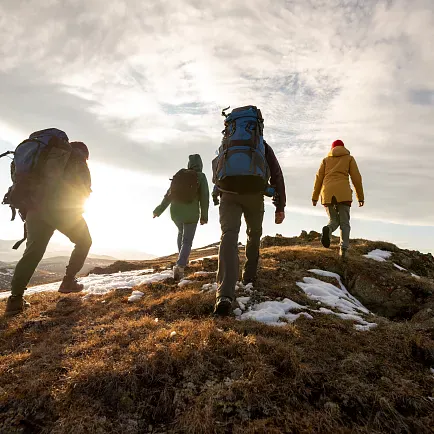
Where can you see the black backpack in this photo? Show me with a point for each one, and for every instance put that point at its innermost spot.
(185, 186)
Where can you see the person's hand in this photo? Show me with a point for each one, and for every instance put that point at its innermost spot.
(314, 202)
(279, 217)
(155, 215)
(361, 203)
(203, 222)
(216, 200)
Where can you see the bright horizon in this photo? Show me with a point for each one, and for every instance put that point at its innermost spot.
(143, 99)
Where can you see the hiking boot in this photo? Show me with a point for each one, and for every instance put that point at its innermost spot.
(178, 273)
(343, 253)
(325, 238)
(223, 306)
(15, 305)
(70, 285)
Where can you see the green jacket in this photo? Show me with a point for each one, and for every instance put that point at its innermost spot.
(189, 212)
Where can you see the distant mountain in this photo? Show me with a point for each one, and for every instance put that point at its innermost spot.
(57, 250)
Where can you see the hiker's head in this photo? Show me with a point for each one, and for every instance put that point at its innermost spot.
(195, 162)
(337, 143)
(81, 148)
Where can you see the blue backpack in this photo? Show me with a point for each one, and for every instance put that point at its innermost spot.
(37, 169)
(241, 156)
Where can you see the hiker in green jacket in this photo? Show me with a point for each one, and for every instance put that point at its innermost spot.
(188, 197)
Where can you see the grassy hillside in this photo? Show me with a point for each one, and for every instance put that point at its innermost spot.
(164, 365)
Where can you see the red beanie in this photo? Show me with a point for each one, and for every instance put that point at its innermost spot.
(337, 143)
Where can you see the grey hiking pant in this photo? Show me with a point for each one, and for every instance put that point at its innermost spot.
(232, 207)
(40, 229)
(339, 216)
(186, 233)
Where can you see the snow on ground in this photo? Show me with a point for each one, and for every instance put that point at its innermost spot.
(209, 287)
(415, 276)
(278, 313)
(379, 255)
(135, 296)
(184, 282)
(399, 267)
(272, 312)
(100, 284)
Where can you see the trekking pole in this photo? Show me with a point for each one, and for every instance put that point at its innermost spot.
(6, 153)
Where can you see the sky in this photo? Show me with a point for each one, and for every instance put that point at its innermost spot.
(143, 84)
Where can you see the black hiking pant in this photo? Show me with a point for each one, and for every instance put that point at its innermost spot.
(232, 207)
(40, 229)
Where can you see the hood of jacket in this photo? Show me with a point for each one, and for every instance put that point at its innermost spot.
(195, 162)
(339, 151)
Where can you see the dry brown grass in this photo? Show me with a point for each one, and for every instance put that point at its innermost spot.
(107, 366)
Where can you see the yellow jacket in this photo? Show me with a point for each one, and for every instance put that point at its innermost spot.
(333, 175)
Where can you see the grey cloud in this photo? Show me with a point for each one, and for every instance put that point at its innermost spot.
(318, 69)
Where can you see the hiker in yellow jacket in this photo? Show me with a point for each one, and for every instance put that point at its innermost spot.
(332, 182)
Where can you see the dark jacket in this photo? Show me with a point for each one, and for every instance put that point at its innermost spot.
(189, 212)
(276, 176)
(242, 185)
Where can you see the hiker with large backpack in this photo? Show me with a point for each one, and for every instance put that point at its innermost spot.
(333, 184)
(188, 197)
(245, 170)
(51, 182)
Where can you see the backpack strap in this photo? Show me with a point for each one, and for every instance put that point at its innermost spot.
(17, 245)
(6, 153)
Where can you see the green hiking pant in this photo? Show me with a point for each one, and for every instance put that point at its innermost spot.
(232, 207)
(339, 216)
(40, 229)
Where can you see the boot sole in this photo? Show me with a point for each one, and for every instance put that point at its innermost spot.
(325, 238)
(70, 292)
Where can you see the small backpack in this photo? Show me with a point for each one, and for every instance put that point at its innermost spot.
(185, 186)
(37, 170)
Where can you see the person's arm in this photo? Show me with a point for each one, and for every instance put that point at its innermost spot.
(318, 183)
(276, 178)
(163, 205)
(204, 199)
(356, 179)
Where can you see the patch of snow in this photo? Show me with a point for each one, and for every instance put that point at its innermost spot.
(271, 312)
(415, 276)
(172, 334)
(242, 301)
(238, 312)
(365, 328)
(136, 295)
(432, 371)
(378, 255)
(184, 282)
(332, 296)
(240, 285)
(209, 287)
(101, 284)
(399, 267)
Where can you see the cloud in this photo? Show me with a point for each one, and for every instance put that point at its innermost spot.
(144, 84)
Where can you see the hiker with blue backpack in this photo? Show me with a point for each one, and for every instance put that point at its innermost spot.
(188, 197)
(51, 182)
(245, 170)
